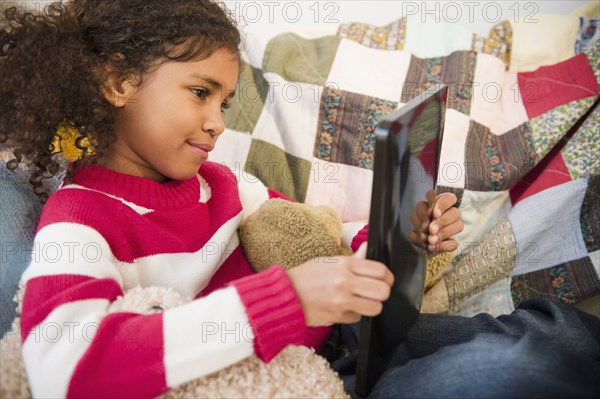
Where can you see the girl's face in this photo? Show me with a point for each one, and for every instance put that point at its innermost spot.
(166, 127)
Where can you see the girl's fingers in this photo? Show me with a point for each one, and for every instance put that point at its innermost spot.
(419, 223)
(449, 217)
(417, 238)
(373, 270)
(444, 246)
(430, 196)
(371, 289)
(420, 214)
(350, 317)
(366, 307)
(450, 231)
(446, 233)
(416, 222)
(361, 252)
(442, 203)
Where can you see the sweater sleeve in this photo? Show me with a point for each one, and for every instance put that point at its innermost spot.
(354, 234)
(276, 315)
(274, 311)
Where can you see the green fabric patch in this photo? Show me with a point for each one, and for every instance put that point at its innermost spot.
(592, 52)
(296, 59)
(550, 127)
(278, 170)
(250, 96)
(581, 151)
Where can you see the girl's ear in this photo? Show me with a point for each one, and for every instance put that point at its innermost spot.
(116, 89)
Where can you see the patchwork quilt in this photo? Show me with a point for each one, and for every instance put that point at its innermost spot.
(521, 148)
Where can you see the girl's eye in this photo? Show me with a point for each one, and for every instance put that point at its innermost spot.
(225, 105)
(202, 94)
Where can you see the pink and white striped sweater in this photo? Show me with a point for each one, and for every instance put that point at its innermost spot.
(108, 232)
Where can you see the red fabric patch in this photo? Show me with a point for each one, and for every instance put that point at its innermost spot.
(428, 158)
(551, 86)
(277, 194)
(550, 172)
(125, 359)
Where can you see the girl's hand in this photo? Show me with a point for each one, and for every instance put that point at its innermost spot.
(435, 222)
(341, 289)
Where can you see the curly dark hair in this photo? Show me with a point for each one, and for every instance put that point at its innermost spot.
(53, 63)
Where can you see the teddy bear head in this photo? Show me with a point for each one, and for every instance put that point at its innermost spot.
(290, 233)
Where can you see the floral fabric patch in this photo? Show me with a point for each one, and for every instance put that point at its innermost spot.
(346, 128)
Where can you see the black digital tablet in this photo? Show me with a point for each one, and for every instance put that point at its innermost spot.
(408, 143)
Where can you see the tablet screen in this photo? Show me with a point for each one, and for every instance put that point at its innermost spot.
(406, 161)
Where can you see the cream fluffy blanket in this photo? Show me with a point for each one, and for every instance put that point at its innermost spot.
(296, 372)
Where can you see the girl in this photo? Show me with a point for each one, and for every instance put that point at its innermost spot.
(144, 83)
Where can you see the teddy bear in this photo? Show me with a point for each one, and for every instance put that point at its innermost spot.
(290, 233)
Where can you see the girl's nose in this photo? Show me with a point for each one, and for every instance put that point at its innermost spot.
(213, 122)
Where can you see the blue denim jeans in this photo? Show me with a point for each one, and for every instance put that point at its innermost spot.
(542, 349)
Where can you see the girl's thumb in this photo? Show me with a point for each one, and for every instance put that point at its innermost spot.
(361, 252)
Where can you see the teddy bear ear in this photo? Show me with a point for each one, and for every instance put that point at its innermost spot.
(329, 213)
(289, 218)
(329, 220)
